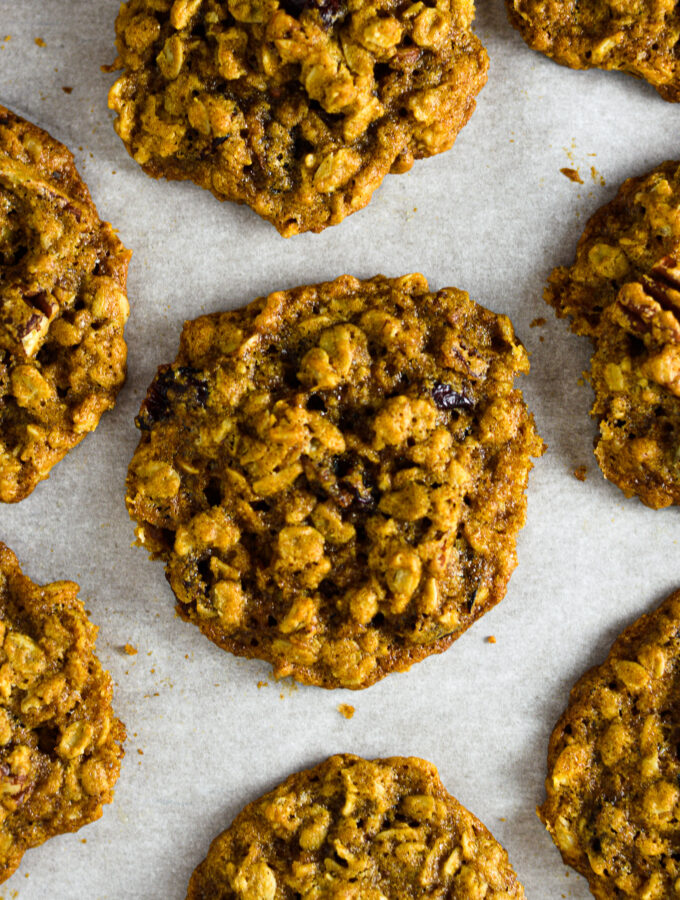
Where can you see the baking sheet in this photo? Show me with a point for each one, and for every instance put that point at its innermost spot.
(209, 732)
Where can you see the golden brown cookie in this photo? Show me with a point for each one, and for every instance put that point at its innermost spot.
(62, 307)
(334, 475)
(358, 830)
(60, 744)
(623, 291)
(298, 108)
(635, 36)
(613, 792)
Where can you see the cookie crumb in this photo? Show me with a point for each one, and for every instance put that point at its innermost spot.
(130, 650)
(491, 639)
(141, 752)
(346, 710)
(580, 472)
(67, 89)
(597, 177)
(262, 684)
(40, 42)
(538, 322)
(572, 174)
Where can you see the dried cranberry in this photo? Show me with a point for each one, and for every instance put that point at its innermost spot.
(167, 386)
(329, 10)
(447, 398)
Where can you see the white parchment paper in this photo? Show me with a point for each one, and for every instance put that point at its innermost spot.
(492, 216)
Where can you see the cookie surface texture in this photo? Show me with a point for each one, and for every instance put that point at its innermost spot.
(63, 307)
(623, 291)
(360, 830)
(60, 744)
(612, 787)
(298, 108)
(335, 475)
(635, 36)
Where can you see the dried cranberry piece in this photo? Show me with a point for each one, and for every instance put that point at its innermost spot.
(329, 10)
(447, 398)
(168, 385)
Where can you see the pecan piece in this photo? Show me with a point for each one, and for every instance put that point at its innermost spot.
(641, 308)
(650, 309)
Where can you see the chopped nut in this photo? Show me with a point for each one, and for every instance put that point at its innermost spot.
(608, 261)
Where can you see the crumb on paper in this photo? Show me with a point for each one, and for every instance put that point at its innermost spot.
(541, 338)
(539, 322)
(597, 177)
(288, 684)
(130, 650)
(83, 840)
(141, 752)
(7, 37)
(40, 42)
(572, 174)
(491, 639)
(67, 89)
(580, 472)
(346, 710)
(262, 684)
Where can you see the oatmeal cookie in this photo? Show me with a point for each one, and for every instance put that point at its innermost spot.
(60, 744)
(636, 36)
(623, 291)
(62, 307)
(614, 766)
(359, 830)
(334, 475)
(298, 108)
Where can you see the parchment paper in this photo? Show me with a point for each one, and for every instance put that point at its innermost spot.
(492, 216)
